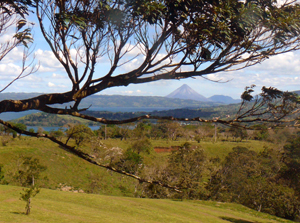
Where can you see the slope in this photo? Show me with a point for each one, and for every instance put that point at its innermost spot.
(58, 206)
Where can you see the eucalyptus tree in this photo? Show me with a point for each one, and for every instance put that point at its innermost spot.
(168, 39)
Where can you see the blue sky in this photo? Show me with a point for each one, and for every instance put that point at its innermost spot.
(281, 71)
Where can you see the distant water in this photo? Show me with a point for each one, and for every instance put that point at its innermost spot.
(55, 128)
(14, 115)
(130, 109)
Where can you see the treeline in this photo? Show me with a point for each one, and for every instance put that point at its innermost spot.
(267, 181)
(165, 129)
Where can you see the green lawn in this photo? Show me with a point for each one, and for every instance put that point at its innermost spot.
(58, 206)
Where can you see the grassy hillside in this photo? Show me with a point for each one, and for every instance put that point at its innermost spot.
(66, 169)
(63, 168)
(58, 206)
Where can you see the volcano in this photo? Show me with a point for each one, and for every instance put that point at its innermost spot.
(185, 92)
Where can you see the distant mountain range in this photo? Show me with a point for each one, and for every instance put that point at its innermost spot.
(183, 97)
(103, 101)
(159, 106)
(186, 92)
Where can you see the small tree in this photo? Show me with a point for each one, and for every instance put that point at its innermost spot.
(238, 133)
(57, 133)
(79, 133)
(26, 196)
(141, 145)
(1, 173)
(29, 171)
(185, 168)
(197, 138)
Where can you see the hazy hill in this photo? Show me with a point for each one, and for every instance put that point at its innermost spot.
(141, 101)
(297, 92)
(17, 96)
(224, 99)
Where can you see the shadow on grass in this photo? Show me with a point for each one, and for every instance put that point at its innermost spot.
(237, 220)
(18, 213)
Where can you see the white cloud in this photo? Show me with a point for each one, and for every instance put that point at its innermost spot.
(9, 69)
(51, 84)
(132, 50)
(133, 64)
(161, 83)
(33, 78)
(47, 60)
(282, 64)
(46, 69)
(7, 36)
(58, 76)
(14, 56)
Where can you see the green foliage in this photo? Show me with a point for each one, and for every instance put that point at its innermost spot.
(114, 131)
(21, 126)
(186, 167)
(250, 178)
(171, 130)
(1, 173)
(26, 196)
(29, 170)
(79, 133)
(132, 159)
(291, 159)
(141, 146)
(262, 132)
(197, 138)
(131, 162)
(238, 132)
(143, 129)
(57, 134)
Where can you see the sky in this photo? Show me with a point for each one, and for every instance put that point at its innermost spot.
(281, 71)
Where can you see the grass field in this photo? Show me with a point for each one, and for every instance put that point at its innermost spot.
(58, 206)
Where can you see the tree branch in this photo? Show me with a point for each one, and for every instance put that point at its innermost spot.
(87, 157)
